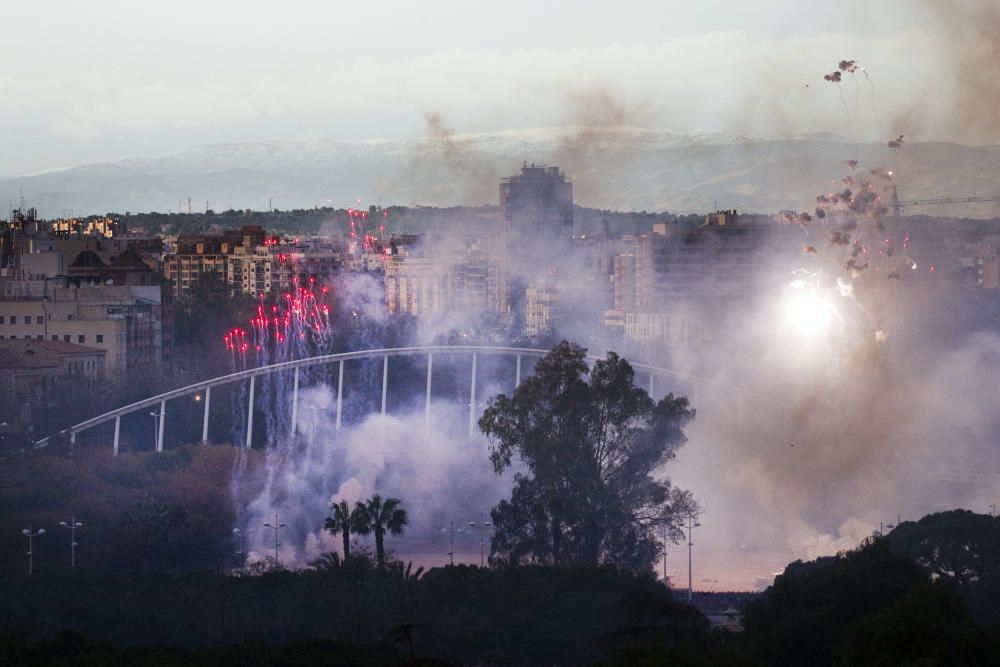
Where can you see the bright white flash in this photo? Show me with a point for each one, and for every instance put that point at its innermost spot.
(807, 313)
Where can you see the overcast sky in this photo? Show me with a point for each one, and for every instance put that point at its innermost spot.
(105, 80)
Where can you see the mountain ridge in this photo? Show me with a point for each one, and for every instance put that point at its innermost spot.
(623, 167)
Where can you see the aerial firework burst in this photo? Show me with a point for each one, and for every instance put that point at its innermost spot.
(296, 325)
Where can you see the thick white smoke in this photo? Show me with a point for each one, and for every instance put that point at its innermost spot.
(441, 473)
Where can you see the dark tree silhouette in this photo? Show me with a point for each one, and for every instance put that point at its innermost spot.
(379, 517)
(591, 441)
(344, 521)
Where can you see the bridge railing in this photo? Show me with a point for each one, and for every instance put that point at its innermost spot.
(159, 401)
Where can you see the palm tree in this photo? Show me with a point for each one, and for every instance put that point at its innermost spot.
(376, 516)
(345, 522)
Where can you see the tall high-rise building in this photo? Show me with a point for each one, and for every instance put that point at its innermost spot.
(538, 201)
(536, 207)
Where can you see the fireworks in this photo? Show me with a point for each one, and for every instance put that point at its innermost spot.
(293, 327)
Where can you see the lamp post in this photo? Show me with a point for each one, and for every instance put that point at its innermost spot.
(242, 552)
(665, 581)
(451, 539)
(275, 527)
(482, 526)
(157, 416)
(691, 526)
(72, 525)
(31, 535)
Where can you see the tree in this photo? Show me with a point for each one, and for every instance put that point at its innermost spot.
(868, 606)
(344, 521)
(378, 517)
(152, 523)
(591, 441)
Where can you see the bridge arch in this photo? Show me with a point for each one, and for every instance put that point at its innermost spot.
(159, 401)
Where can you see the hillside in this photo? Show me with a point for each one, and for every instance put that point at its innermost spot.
(623, 168)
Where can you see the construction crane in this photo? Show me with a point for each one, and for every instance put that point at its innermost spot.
(898, 206)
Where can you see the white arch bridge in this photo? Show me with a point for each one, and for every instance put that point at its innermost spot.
(250, 375)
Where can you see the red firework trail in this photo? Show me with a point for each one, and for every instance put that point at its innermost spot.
(296, 325)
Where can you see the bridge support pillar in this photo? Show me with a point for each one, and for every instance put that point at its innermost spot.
(652, 384)
(204, 420)
(517, 374)
(340, 392)
(472, 397)
(118, 430)
(72, 437)
(250, 415)
(159, 431)
(295, 402)
(385, 379)
(427, 399)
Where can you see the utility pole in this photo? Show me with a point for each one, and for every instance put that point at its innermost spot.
(72, 525)
(31, 535)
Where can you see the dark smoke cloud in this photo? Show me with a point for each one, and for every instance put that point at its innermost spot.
(604, 124)
(971, 49)
(446, 166)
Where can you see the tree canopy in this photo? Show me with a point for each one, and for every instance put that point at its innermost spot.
(592, 443)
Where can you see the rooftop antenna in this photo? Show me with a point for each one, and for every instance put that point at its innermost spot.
(189, 204)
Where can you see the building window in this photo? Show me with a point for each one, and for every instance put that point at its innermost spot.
(1, 319)
(55, 337)
(39, 320)
(66, 338)
(39, 337)
(81, 339)
(13, 319)
(100, 338)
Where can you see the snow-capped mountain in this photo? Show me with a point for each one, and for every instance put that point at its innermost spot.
(612, 167)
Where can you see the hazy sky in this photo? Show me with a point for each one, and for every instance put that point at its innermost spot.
(105, 80)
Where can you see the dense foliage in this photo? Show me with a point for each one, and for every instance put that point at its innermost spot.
(960, 547)
(865, 607)
(519, 616)
(169, 512)
(591, 441)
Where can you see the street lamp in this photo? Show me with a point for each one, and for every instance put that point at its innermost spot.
(451, 539)
(665, 581)
(483, 526)
(276, 527)
(157, 416)
(72, 525)
(242, 534)
(691, 526)
(31, 535)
